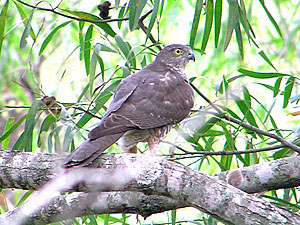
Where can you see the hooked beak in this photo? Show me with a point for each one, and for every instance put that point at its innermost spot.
(191, 57)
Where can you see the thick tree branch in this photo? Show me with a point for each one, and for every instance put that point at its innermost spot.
(153, 176)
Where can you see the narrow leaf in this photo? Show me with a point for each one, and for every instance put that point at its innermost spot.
(45, 126)
(12, 128)
(8, 125)
(88, 16)
(239, 38)
(261, 75)
(29, 125)
(265, 57)
(288, 90)
(93, 65)
(232, 19)
(81, 40)
(153, 17)
(51, 35)
(132, 14)
(208, 23)
(122, 45)
(277, 86)
(24, 16)
(26, 32)
(218, 17)
(262, 2)
(195, 23)
(121, 15)
(87, 49)
(2, 23)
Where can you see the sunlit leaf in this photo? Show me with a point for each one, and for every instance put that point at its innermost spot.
(12, 128)
(239, 38)
(153, 17)
(277, 86)
(232, 20)
(88, 16)
(87, 48)
(45, 126)
(265, 57)
(29, 125)
(24, 17)
(135, 10)
(81, 39)
(2, 23)
(261, 75)
(8, 125)
(262, 2)
(218, 17)
(51, 35)
(198, 8)
(288, 90)
(208, 23)
(23, 42)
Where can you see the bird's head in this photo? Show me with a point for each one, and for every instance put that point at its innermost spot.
(176, 55)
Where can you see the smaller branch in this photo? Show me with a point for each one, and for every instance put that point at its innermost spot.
(245, 125)
(204, 153)
(145, 29)
(72, 17)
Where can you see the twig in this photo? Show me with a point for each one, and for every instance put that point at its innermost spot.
(284, 142)
(73, 17)
(205, 153)
(145, 29)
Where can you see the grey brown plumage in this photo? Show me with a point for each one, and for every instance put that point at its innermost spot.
(145, 106)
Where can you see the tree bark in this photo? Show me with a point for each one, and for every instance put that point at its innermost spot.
(140, 173)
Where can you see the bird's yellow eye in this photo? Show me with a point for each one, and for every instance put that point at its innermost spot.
(178, 51)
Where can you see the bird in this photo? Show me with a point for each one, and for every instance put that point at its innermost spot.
(145, 106)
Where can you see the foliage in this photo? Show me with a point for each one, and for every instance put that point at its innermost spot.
(66, 50)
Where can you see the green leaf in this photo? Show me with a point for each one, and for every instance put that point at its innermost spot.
(122, 45)
(173, 216)
(88, 16)
(50, 36)
(2, 23)
(288, 90)
(24, 16)
(153, 17)
(195, 23)
(232, 20)
(26, 32)
(45, 126)
(135, 10)
(265, 57)
(247, 97)
(29, 125)
(239, 38)
(24, 197)
(121, 15)
(93, 65)
(105, 48)
(208, 23)
(12, 129)
(218, 22)
(261, 75)
(81, 40)
(87, 49)
(7, 127)
(277, 86)
(262, 2)
(68, 138)
(246, 110)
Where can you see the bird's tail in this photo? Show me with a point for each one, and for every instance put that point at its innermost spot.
(90, 150)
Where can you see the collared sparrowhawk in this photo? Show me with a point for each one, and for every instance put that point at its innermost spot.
(145, 106)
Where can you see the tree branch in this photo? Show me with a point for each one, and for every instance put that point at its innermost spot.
(72, 17)
(152, 175)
